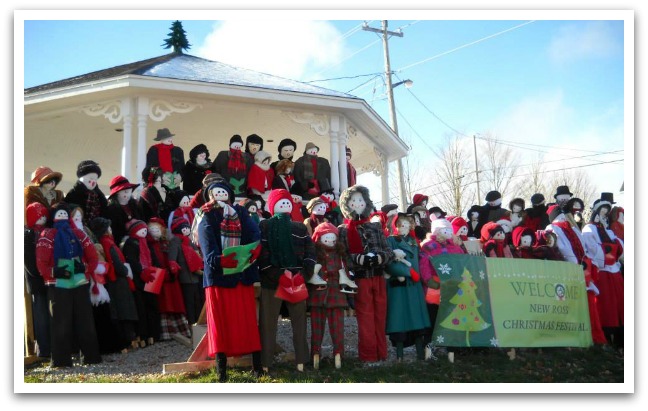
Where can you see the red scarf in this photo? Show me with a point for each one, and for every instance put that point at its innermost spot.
(144, 252)
(353, 237)
(235, 164)
(577, 246)
(159, 247)
(164, 157)
(186, 212)
(108, 242)
(194, 262)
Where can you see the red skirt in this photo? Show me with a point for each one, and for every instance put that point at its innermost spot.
(232, 326)
(170, 299)
(610, 300)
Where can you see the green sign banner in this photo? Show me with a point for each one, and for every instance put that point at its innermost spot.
(509, 302)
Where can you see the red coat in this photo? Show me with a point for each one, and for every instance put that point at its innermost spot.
(45, 254)
(260, 179)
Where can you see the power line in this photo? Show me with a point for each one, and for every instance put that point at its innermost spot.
(500, 141)
(465, 45)
(343, 78)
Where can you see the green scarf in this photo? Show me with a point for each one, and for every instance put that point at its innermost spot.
(282, 253)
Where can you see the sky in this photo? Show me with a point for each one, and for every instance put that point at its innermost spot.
(548, 88)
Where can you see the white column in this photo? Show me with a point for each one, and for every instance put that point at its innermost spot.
(126, 157)
(334, 161)
(343, 139)
(142, 118)
(384, 180)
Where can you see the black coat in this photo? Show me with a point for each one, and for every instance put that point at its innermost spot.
(177, 158)
(33, 279)
(323, 175)
(220, 167)
(119, 217)
(192, 176)
(79, 195)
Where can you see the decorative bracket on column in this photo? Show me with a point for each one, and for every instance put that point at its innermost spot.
(379, 168)
(110, 110)
(161, 109)
(351, 131)
(318, 123)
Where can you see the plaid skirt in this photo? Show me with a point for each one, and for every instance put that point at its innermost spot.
(174, 323)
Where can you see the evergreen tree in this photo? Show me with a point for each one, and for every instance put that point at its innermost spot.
(465, 316)
(177, 38)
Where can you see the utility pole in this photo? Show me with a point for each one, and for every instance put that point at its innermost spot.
(390, 98)
(476, 169)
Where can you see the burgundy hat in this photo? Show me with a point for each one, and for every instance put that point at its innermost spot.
(553, 211)
(120, 183)
(275, 196)
(419, 198)
(457, 223)
(324, 228)
(178, 224)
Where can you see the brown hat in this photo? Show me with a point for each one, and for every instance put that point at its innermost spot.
(310, 145)
(162, 134)
(44, 174)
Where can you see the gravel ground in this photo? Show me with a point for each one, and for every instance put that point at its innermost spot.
(150, 360)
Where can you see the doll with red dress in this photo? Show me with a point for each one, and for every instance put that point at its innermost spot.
(261, 176)
(494, 242)
(523, 242)
(326, 300)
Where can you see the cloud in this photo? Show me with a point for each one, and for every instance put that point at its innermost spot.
(595, 39)
(290, 48)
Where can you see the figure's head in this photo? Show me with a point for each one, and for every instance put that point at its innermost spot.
(280, 202)
(88, 173)
(311, 149)
(441, 229)
(326, 234)
(164, 136)
(403, 224)
(60, 211)
(356, 202)
(287, 148)
(156, 227)
(253, 144)
(236, 142)
(136, 229)
(220, 191)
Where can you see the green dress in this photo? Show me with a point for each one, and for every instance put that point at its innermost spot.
(406, 308)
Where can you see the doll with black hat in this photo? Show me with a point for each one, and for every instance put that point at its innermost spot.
(122, 207)
(492, 211)
(168, 157)
(574, 209)
(472, 220)
(119, 283)
(562, 195)
(180, 199)
(253, 144)
(517, 214)
(195, 169)
(86, 192)
(286, 150)
(155, 199)
(67, 260)
(43, 188)
(312, 172)
(234, 165)
(536, 215)
(230, 303)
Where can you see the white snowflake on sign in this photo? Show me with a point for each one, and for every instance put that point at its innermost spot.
(482, 274)
(440, 339)
(444, 269)
(494, 342)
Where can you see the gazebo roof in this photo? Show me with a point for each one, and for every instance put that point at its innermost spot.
(186, 67)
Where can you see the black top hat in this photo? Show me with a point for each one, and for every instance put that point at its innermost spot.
(162, 134)
(609, 197)
(388, 207)
(562, 190)
(537, 199)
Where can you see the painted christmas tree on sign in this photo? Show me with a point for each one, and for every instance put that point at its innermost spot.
(465, 315)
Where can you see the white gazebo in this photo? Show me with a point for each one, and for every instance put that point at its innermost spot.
(111, 116)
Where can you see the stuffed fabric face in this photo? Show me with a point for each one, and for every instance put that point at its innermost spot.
(619, 217)
(516, 208)
(155, 231)
(219, 194)
(167, 141)
(61, 215)
(312, 151)
(499, 236)
(287, 151)
(474, 216)
(403, 226)
(328, 240)
(201, 158)
(124, 196)
(142, 232)
(444, 233)
(551, 241)
(185, 231)
(328, 196)
(525, 241)
(41, 221)
(319, 209)
(283, 206)
(77, 218)
(253, 148)
(236, 145)
(561, 199)
(297, 199)
(184, 202)
(252, 209)
(357, 203)
(89, 180)
(462, 231)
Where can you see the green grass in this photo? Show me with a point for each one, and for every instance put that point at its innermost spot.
(548, 365)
